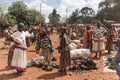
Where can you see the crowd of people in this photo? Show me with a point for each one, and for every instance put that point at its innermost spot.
(96, 37)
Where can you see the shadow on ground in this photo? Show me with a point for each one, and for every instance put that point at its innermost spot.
(50, 76)
(8, 76)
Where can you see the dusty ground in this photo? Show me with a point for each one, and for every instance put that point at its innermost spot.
(34, 73)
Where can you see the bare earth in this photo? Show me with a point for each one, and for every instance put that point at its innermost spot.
(34, 73)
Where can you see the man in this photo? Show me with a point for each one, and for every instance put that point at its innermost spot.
(64, 51)
(98, 40)
(117, 59)
(110, 38)
(45, 45)
(19, 59)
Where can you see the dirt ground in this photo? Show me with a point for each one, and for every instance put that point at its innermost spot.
(35, 73)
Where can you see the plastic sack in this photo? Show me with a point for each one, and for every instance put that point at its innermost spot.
(52, 48)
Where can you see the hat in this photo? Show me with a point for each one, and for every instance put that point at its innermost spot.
(21, 25)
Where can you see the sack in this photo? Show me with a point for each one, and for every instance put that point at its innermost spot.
(52, 48)
(80, 53)
(72, 46)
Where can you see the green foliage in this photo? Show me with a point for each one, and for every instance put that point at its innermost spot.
(9, 20)
(109, 10)
(19, 10)
(78, 21)
(54, 18)
(74, 17)
(0, 10)
(86, 11)
(33, 17)
(85, 15)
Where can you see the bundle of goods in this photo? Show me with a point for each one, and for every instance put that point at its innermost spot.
(82, 60)
(109, 62)
(72, 46)
(36, 61)
(80, 53)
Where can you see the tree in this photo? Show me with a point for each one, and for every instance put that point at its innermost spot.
(2, 27)
(9, 20)
(86, 11)
(33, 17)
(109, 10)
(87, 15)
(19, 10)
(74, 17)
(54, 18)
(1, 14)
(23, 14)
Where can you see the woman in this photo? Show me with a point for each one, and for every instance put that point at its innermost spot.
(64, 51)
(98, 40)
(87, 42)
(19, 58)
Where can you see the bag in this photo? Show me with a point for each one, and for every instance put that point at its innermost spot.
(52, 48)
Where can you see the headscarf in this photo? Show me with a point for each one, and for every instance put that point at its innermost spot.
(21, 25)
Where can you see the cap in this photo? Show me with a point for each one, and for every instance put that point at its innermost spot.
(21, 25)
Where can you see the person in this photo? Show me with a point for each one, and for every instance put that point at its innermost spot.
(19, 58)
(27, 38)
(116, 34)
(73, 36)
(116, 60)
(64, 51)
(98, 39)
(7, 37)
(38, 41)
(45, 45)
(110, 38)
(87, 42)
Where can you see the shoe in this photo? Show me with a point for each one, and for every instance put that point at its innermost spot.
(64, 73)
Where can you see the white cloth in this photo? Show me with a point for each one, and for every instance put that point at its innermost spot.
(19, 59)
(79, 53)
(72, 46)
(98, 45)
(74, 34)
(98, 39)
(27, 33)
(76, 41)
